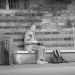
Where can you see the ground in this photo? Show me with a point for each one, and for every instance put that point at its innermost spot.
(35, 69)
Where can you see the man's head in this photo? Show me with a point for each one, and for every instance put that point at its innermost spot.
(33, 27)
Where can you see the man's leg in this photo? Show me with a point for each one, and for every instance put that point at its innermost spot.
(41, 55)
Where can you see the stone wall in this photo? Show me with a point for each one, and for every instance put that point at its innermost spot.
(15, 23)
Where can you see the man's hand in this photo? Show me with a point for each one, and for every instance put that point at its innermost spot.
(35, 41)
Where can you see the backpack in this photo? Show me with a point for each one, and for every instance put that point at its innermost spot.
(56, 57)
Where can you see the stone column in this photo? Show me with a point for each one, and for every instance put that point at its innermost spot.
(11, 51)
(7, 5)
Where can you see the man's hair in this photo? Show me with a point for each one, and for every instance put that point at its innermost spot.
(30, 25)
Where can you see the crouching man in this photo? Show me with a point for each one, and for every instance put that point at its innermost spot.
(31, 44)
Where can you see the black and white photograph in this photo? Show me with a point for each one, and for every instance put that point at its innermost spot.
(37, 37)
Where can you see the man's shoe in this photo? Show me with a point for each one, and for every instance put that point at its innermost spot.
(41, 62)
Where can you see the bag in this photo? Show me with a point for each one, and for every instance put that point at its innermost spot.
(57, 58)
(54, 58)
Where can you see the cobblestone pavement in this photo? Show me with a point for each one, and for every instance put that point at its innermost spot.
(35, 69)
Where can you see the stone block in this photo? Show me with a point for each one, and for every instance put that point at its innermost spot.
(24, 57)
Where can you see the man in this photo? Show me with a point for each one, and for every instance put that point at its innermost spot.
(31, 44)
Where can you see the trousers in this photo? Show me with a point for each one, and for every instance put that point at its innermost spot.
(40, 50)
